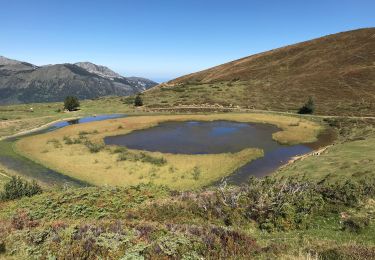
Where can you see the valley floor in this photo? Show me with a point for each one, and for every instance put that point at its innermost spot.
(326, 211)
(78, 151)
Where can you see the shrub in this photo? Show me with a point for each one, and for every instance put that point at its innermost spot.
(83, 133)
(93, 147)
(71, 103)
(128, 100)
(56, 143)
(355, 223)
(196, 173)
(68, 140)
(125, 155)
(23, 220)
(17, 188)
(153, 160)
(308, 107)
(2, 247)
(120, 150)
(138, 102)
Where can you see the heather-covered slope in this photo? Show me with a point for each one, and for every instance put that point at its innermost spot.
(337, 70)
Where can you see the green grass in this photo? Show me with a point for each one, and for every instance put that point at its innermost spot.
(156, 222)
(96, 164)
(16, 118)
(345, 160)
(3, 179)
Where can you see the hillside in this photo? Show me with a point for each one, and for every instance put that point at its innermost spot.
(337, 70)
(267, 219)
(22, 82)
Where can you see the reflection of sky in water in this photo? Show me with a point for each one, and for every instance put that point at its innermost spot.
(217, 131)
(267, 164)
(199, 137)
(192, 123)
(84, 120)
(215, 137)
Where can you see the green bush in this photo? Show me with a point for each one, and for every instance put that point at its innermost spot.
(93, 147)
(83, 133)
(68, 140)
(355, 223)
(138, 102)
(125, 155)
(17, 188)
(196, 173)
(71, 103)
(120, 150)
(308, 107)
(56, 143)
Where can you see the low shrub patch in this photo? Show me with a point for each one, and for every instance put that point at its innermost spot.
(125, 155)
(93, 147)
(16, 188)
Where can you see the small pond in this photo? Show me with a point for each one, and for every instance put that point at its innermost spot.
(194, 137)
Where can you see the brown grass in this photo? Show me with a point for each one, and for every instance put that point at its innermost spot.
(336, 70)
(103, 168)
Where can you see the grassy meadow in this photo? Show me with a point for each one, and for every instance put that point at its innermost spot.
(78, 151)
(18, 118)
(325, 211)
(351, 160)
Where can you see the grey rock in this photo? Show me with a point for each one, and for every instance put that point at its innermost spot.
(22, 82)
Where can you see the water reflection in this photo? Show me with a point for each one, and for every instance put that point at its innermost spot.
(219, 137)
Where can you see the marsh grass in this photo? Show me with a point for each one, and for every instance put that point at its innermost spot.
(76, 159)
(56, 143)
(126, 155)
(93, 147)
(196, 173)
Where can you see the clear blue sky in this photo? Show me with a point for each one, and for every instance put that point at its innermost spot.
(165, 39)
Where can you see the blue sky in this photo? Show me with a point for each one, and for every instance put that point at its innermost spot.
(165, 39)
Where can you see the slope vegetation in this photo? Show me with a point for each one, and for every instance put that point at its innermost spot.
(338, 71)
(266, 219)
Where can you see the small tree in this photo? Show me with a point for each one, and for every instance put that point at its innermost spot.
(71, 103)
(138, 102)
(308, 107)
(16, 188)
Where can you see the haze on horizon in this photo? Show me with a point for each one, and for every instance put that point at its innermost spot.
(162, 40)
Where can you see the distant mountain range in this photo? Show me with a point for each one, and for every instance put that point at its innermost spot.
(22, 82)
(337, 70)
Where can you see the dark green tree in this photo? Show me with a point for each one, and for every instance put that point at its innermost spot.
(308, 107)
(17, 188)
(71, 103)
(138, 102)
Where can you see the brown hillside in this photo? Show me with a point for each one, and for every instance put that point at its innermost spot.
(338, 71)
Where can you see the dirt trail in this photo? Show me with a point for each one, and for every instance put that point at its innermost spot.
(214, 108)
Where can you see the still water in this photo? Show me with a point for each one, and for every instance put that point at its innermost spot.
(218, 137)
